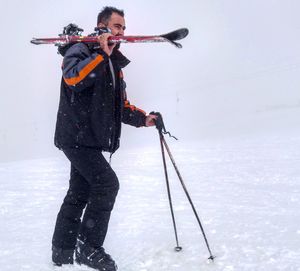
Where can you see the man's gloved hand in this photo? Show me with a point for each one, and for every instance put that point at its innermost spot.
(105, 46)
(157, 120)
(150, 120)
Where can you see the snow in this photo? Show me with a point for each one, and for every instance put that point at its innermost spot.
(246, 191)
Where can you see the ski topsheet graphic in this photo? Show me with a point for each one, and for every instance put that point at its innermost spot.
(75, 37)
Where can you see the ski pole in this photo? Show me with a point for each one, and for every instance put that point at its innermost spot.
(211, 257)
(177, 248)
(162, 130)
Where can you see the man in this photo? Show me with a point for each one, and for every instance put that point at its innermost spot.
(93, 104)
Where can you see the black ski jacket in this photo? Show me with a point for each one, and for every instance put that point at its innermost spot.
(93, 100)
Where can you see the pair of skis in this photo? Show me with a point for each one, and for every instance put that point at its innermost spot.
(171, 37)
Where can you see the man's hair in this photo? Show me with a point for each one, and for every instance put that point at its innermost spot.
(105, 14)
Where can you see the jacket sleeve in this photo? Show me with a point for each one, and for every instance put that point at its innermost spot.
(132, 115)
(81, 68)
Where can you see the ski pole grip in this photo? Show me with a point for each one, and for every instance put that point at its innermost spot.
(159, 123)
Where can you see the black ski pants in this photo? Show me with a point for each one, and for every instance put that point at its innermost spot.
(93, 189)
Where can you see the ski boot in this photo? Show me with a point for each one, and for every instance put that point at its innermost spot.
(95, 258)
(62, 256)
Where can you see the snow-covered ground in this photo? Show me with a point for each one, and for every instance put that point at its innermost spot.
(246, 190)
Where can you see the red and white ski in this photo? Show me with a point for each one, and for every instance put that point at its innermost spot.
(170, 37)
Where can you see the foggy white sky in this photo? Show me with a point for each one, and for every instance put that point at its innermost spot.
(238, 71)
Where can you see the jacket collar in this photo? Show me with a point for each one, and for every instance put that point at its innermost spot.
(118, 58)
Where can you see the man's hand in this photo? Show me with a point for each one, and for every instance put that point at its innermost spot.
(150, 120)
(103, 41)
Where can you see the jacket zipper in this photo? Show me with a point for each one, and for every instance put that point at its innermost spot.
(113, 79)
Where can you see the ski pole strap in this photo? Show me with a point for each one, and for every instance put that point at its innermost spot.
(159, 123)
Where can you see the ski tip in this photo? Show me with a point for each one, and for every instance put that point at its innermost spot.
(178, 34)
(183, 33)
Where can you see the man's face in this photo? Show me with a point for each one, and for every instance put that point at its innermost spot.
(116, 24)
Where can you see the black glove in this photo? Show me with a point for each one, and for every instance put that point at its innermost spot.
(159, 123)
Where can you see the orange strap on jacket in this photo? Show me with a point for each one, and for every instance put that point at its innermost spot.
(84, 72)
(132, 107)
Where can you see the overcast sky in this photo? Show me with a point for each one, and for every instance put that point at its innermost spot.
(238, 69)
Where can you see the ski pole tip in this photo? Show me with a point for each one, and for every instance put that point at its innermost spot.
(211, 258)
(177, 249)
